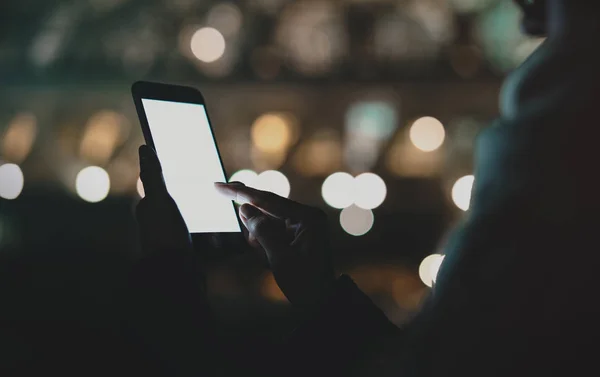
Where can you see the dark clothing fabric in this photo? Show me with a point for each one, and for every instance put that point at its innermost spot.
(516, 294)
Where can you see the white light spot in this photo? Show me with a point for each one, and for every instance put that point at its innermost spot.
(338, 190)
(427, 134)
(461, 192)
(92, 184)
(140, 188)
(11, 181)
(429, 268)
(208, 44)
(247, 177)
(273, 181)
(370, 191)
(356, 221)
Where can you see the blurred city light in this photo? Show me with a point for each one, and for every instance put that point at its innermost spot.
(405, 160)
(368, 126)
(19, 138)
(470, 6)
(92, 184)
(11, 181)
(140, 188)
(498, 31)
(376, 119)
(338, 190)
(319, 155)
(273, 181)
(208, 44)
(103, 133)
(271, 133)
(245, 176)
(269, 288)
(225, 17)
(356, 221)
(461, 192)
(311, 36)
(427, 134)
(429, 267)
(369, 190)
(435, 17)
(267, 160)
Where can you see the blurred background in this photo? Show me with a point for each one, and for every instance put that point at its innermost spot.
(365, 108)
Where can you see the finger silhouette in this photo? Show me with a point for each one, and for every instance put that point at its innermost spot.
(268, 202)
(151, 172)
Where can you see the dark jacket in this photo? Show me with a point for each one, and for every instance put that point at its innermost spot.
(517, 292)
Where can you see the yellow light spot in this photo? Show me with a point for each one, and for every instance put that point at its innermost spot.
(19, 138)
(271, 133)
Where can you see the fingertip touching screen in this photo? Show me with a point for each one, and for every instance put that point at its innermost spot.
(191, 165)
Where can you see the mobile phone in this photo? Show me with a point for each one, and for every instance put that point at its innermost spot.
(175, 123)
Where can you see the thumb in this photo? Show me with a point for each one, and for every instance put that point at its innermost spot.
(151, 172)
(269, 232)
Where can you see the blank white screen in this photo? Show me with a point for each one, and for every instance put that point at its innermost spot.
(190, 162)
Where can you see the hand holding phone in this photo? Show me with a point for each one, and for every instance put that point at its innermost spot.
(176, 125)
(162, 228)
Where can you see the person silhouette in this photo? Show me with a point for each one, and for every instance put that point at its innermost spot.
(513, 295)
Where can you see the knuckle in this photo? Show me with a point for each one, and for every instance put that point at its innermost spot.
(258, 224)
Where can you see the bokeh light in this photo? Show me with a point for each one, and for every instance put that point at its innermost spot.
(273, 181)
(245, 176)
(208, 44)
(370, 191)
(427, 134)
(103, 133)
(356, 221)
(19, 138)
(470, 6)
(338, 190)
(140, 188)
(429, 267)
(271, 133)
(498, 32)
(311, 36)
(11, 181)
(92, 184)
(225, 17)
(368, 126)
(320, 155)
(461, 192)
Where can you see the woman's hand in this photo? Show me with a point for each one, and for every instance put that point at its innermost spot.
(295, 239)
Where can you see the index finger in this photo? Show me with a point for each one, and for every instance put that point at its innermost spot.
(268, 202)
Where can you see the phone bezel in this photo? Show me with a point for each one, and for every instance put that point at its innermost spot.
(185, 94)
